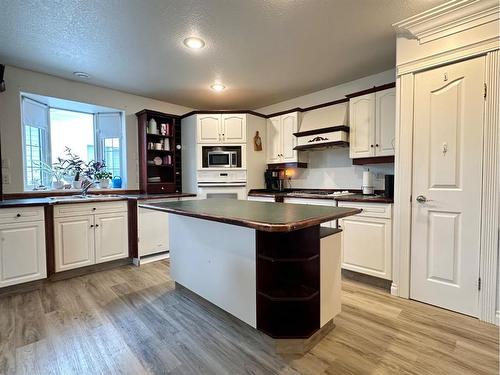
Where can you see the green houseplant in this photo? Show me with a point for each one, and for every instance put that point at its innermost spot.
(103, 177)
(55, 173)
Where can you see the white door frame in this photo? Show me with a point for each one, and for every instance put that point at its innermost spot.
(491, 171)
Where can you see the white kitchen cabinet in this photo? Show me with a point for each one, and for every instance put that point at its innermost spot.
(74, 242)
(367, 239)
(22, 246)
(221, 128)
(372, 124)
(281, 140)
(233, 127)
(153, 231)
(209, 128)
(111, 237)
(82, 239)
(261, 199)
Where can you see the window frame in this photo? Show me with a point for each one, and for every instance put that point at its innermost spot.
(99, 147)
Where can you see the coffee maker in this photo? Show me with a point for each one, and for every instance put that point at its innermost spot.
(274, 179)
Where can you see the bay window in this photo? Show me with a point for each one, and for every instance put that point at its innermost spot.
(91, 132)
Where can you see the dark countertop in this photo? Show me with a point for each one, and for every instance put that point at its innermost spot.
(288, 193)
(269, 217)
(365, 198)
(44, 201)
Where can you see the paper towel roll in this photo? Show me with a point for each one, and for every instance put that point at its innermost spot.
(367, 182)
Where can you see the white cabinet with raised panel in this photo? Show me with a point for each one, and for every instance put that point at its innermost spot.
(22, 245)
(315, 202)
(89, 233)
(221, 128)
(281, 140)
(367, 239)
(372, 121)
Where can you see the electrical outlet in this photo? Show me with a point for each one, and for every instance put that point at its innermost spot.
(6, 179)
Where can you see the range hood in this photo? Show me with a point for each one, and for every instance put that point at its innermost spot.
(324, 128)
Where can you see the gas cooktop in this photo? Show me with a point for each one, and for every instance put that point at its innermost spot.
(322, 193)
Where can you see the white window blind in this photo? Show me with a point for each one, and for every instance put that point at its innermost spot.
(109, 125)
(35, 114)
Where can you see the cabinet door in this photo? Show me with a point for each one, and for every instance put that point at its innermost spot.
(289, 141)
(74, 242)
(153, 231)
(273, 140)
(209, 128)
(111, 237)
(385, 126)
(362, 126)
(22, 253)
(367, 244)
(234, 128)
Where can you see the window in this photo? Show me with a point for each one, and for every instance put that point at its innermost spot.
(87, 130)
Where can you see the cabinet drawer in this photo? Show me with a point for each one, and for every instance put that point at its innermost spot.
(65, 210)
(21, 214)
(160, 188)
(382, 210)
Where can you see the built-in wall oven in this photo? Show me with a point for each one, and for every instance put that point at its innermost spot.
(222, 184)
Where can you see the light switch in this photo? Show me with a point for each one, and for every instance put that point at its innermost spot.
(6, 178)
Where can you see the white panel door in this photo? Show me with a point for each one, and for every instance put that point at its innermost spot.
(362, 126)
(22, 253)
(209, 128)
(446, 207)
(385, 124)
(111, 237)
(74, 242)
(234, 128)
(153, 231)
(367, 245)
(289, 141)
(273, 140)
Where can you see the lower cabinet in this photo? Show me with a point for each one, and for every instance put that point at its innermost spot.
(83, 240)
(315, 202)
(367, 240)
(22, 246)
(153, 231)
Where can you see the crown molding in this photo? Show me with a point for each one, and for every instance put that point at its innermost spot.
(447, 19)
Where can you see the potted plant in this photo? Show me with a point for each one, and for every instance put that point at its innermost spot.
(55, 172)
(74, 166)
(103, 178)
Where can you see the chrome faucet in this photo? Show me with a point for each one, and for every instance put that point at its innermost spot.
(86, 185)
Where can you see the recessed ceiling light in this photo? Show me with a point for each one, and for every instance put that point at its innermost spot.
(218, 87)
(194, 42)
(81, 74)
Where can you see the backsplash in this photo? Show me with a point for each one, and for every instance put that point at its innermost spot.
(333, 169)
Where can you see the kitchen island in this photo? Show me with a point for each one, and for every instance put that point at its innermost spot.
(268, 264)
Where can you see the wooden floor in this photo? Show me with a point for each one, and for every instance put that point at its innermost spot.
(132, 321)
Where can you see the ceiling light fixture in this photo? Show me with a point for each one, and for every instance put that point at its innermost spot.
(81, 74)
(194, 42)
(218, 87)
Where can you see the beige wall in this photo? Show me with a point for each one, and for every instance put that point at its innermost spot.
(333, 168)
(18, 80)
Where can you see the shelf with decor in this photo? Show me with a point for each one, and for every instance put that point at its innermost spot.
(159, 149)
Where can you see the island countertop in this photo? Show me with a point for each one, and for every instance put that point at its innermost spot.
(264, 216)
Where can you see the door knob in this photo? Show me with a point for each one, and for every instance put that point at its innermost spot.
(421, 199)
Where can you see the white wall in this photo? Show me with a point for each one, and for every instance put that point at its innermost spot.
(18, 80)
(333, 168)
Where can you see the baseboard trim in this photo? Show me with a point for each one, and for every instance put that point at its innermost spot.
(497, 320)
(367, 279)
(153, 258)
(89, 269)
(394, 289)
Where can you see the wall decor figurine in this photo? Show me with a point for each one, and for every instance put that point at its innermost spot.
(257, 142)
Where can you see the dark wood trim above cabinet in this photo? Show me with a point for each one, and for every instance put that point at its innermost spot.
(371, 90)
(373, 160)
(222, 112)
(311, 146)
(156, 114)
(287, 165)
(329, 129)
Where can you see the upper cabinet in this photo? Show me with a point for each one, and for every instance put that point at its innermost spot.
(372, 124)
(221, 128)
(281, 140)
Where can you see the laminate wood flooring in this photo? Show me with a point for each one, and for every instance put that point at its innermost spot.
(132, 321)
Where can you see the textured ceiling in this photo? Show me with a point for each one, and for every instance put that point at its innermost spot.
(264, 51)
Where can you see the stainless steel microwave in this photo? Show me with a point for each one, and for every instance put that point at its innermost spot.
(222, 159)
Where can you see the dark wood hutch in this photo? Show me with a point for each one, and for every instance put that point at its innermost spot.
(159, 153)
